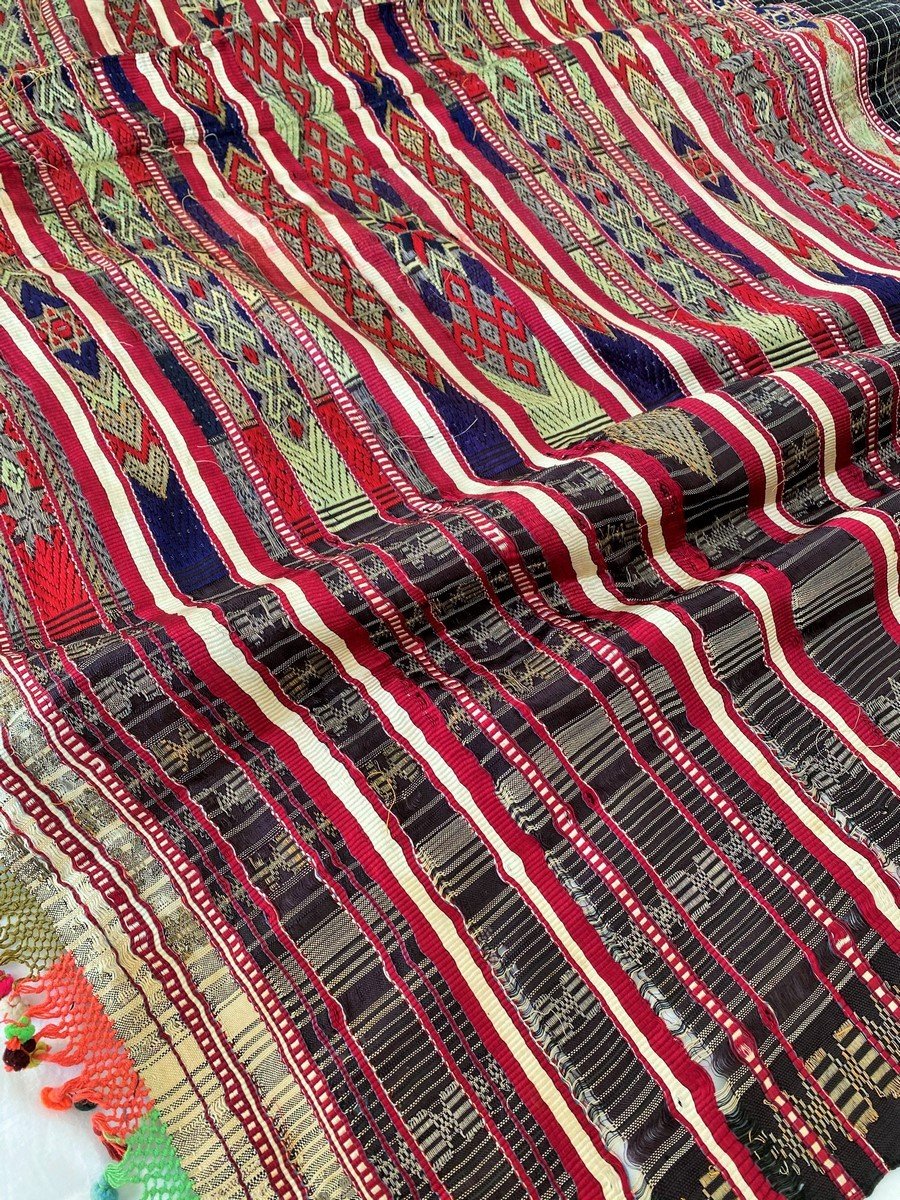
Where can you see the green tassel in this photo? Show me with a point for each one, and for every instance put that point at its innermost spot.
(150, 1161)
(102, 1190)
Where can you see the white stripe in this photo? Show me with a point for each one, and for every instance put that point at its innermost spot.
(883, 527)
(380, 285)
(235, 958)
(753, 591)
(97, 12)
(184, 981)
(320, 758)
(787, 265)
(161, 17)
(445, 217)
(724, 406)
(825, 418)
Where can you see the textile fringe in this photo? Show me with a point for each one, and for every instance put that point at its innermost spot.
(150, 1161)
(75, 1031)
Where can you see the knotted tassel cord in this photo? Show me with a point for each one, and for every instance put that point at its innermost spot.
(74, 1031)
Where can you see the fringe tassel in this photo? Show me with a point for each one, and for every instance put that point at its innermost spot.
(107, 1081)
(107, 1084)
(151, 1162)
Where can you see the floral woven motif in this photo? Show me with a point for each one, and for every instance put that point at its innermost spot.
(450, 594)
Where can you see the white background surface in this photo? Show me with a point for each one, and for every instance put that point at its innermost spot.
(44, 1155)
(48, 1155)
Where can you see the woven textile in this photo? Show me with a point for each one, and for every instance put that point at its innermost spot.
(879, 24)
(450, 594)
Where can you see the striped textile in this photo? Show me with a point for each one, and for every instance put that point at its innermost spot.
(450, 607)
(881, 54)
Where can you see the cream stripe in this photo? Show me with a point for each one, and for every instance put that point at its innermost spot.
(122, 986)
(100, 21)
(173, 964)
(224, 946)
(723, 405)
(161, 17)
(877, 160)
(342, 782)
(380, 284)
(754, 590)
(685, 104)
(825, 417)
(283, 717)
(200, 620)
(880, 524)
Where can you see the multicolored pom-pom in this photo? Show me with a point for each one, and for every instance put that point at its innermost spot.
(22, 1047)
